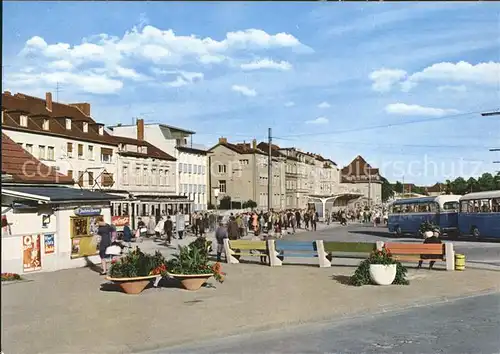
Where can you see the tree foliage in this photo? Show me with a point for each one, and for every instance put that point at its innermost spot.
(387, 189)
(225, 203)
(249, 204)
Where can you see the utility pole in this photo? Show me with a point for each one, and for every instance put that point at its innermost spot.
(270, 176)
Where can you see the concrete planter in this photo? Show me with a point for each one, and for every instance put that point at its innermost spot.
(133, 285)
(191, 281)
(382, 274)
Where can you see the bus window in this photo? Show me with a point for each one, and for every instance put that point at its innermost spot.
(484, 206)
(450, 206)
(434, 207)
(495, 205)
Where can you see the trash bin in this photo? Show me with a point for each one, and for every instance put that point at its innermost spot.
(459, 262)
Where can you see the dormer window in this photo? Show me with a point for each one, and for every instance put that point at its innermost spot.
(46, 124)
(68, 124)
(101, 130)
(85, 127)
(23, 121)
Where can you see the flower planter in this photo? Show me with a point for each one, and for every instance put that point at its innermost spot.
(133, 285)
(382, 274)
(191, 281)
(428, 234)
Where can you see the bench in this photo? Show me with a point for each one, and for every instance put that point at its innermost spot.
(364, 248)
(411, 252)
(234, 249)
(280, 250)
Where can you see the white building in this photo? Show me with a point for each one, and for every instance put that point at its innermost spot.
(192, 165)
(62, 136)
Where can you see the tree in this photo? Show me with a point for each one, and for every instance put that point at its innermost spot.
(398, 187)
(472, 185)
(497, 181)
(225, 203)
(249, 204)
(387, 190)
(459, 186)
(486, 182)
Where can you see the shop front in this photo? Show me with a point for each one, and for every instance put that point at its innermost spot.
(47, 229)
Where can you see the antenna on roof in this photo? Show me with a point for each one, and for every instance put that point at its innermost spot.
(58, 89)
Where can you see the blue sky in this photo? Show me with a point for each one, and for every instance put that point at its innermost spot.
(340, 79)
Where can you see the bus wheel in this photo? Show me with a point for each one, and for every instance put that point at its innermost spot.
(475, 233)
(398, 231)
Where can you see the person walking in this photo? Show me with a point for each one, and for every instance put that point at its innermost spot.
(104, 231)
(180, 224)
(220, 234)
(232, 229)
(127, 234)
(168, 227)
(314, 220)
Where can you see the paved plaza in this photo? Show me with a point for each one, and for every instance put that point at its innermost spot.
(77, 311)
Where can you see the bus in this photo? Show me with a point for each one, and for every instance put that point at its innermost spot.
(479, 214)
(406, 215)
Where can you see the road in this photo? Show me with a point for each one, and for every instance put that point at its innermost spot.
(468, 325)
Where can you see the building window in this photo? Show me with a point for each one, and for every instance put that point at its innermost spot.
(90, 152)
(20, 144)
(23, 121)
(69, 149)
(244, 162)
(162, 177)
(50, 153)
(68, 124)
(125, 175)
(145, 180)
(45, 125)
(41, 152)
(222, 169)
(29, 148)
(80, 151)
(222, 186)
(202, 170)
(85, 127)
(91, 178)
(101, 130)
(106, 155)
(138, 176)
(190, 168)
(70, 174)
(165, 173)
(153, 177)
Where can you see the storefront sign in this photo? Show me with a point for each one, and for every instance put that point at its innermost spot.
(87, 211)
(32, 258)
(49, 243)
(45, 221)
(120, 221)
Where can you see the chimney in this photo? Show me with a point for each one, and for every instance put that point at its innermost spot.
(254, 144)
(48, 101)
(222, 140)
(140, 129)
(7, 93)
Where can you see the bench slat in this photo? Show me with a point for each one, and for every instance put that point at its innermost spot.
(304, 255)
(250, 254)
(348, 247)
(295, 246)
(406, 248)
(415, 259)
(248, 245)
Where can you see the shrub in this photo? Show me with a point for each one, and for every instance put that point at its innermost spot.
(138, 264)
(11, 277)
(192, 260)
(362, 274)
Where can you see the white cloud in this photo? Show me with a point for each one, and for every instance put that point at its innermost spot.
(445, 72)
(416, 110)
(452, 88)
(244, 90)
(183, 78)
(289, 104)
(267, 64)
(324, 105)
(61, 65)
(385, 79)
(319, 121)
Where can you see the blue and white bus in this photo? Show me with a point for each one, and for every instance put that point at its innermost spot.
(406, 215)
(479, 214)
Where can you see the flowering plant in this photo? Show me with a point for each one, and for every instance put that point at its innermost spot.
(362, 274)
(138, 264)
(11, 276)
(193, 260)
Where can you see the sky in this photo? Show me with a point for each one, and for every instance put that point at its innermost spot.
(401, 84)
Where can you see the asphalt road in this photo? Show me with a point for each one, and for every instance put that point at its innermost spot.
(470, 325)
(481, 253)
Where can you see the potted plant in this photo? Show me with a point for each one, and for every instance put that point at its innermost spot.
(191, 267)
(380, 268)
(427, 229)
(135, 270)
(11, 277)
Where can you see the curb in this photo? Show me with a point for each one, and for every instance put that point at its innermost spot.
(325, 320)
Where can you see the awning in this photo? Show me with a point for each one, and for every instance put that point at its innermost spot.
(55, 195)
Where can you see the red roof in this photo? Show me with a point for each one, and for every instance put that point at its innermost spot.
(24, 168)
(359, 168)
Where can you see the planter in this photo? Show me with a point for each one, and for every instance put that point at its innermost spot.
(428, 234)
(133, 285)
(382, 274)
(191, 281)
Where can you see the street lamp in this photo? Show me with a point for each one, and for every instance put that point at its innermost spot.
(216, 195)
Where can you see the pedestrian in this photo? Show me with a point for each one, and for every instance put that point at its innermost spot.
(104, 231)
(220, 235)
(168, 227)
(314, 220)
(180, 224)
(434, 239)
(232, 229)
(127, 234)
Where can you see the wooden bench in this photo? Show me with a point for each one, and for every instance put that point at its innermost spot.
(234, 249)
(351, 248)
(280, 249)
(412, 252)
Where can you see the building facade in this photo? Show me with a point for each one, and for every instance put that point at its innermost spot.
(191, 170)
(361, 178)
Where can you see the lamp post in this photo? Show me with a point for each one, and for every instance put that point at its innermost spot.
(216, 196)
